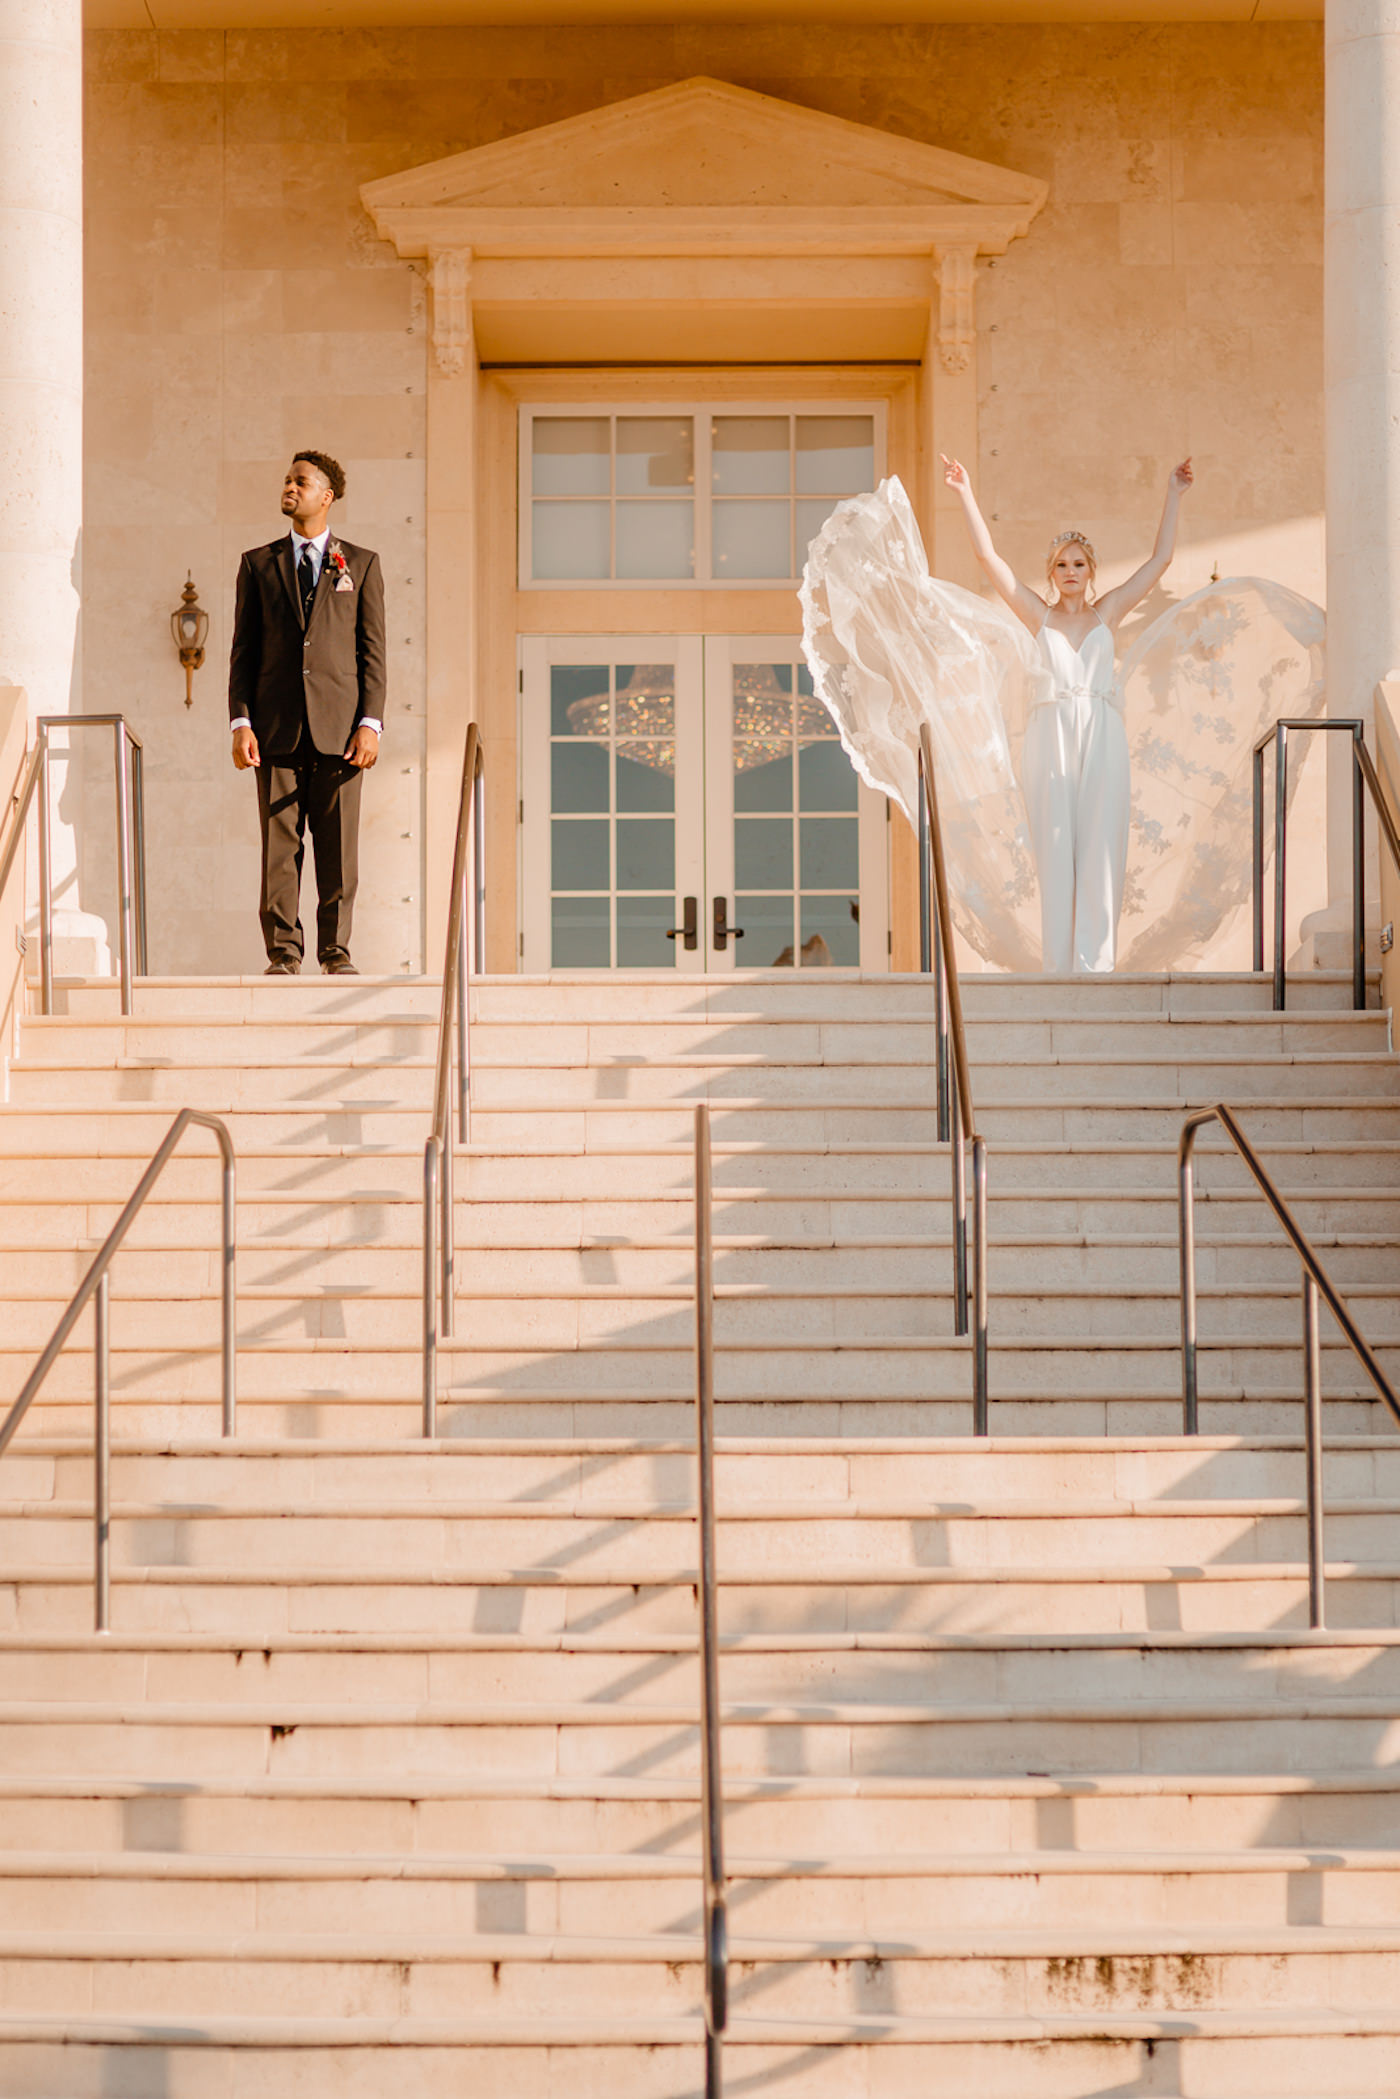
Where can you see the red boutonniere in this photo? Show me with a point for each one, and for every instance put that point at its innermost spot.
(339, 569)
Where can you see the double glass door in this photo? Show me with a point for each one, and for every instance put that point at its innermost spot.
(686, 804)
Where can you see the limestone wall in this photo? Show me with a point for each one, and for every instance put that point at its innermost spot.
(1168, 299)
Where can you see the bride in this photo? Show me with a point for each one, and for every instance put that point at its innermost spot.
(1046, 765)
(1074, 764)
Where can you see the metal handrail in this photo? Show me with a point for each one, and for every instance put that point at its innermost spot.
(957, 1124)
(129, 759)
(711, 1782)
(1316, 1282)
(95, 1283)
(439, 1244)
(1364, 779)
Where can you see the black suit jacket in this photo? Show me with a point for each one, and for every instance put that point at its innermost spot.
(321, 675)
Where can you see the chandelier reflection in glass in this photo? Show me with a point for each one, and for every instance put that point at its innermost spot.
(645, 708)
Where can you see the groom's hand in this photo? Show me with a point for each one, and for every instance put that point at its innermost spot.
(362, 749)
(245, 750)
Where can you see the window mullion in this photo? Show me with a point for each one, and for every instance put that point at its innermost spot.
(702, 425)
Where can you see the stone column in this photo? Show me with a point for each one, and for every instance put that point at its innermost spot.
(1362, 340)
(41, 396)
(453, 440)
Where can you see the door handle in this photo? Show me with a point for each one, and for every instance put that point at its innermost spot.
(688, 931)
(724, 932)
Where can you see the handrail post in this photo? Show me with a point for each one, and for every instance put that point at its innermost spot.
(1312, 1422)
(711, 1801)
(957, 1153)
(102, 1458)
(1258, 785)
(125, 883)
(447, 1236)
(940, 1024)
(1280, 861)
(931, 960)
(463, 964)
(980, 1404)
(45, 879)
(431, 1152)
(138, 825)
(1358, 875)
(1186, 1228)
(925, 899)
(228, 1220)
(479, 862)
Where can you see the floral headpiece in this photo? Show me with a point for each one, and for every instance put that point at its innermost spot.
(1063, 539)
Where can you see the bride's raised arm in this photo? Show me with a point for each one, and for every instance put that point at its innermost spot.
(1115, 604)
(1027, 604)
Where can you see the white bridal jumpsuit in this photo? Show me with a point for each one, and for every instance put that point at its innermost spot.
(1075, 779)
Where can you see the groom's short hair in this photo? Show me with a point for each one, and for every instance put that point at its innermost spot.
(331, 468)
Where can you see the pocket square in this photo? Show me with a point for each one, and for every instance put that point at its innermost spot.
(345, 583)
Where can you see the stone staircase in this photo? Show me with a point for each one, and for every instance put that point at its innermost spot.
(1036, 1782)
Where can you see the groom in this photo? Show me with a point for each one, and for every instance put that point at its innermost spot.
(306, 708)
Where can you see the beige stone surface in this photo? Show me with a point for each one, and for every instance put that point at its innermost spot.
(1168, 299)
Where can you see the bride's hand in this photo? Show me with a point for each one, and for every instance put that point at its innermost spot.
(954, 472)
(1181, 478)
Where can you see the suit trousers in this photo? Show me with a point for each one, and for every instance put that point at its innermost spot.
(320, 793)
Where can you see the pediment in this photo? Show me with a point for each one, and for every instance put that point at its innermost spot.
(704, 154)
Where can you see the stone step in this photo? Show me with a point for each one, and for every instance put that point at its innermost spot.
(821, 1034)
(647, 1540)
(543, 1740)
(746, 1317)
(502, 1972)
(651, 2057)
(1135, 1472)
(405, 1082)
(365, 998)
(588, 993)
(304, 1410)
(257, 1607)
(570, 1032)
(809, 1117)
(1015, 1819)
(536, 1897)
(1012, 1058)
(1303, 2053)
(758, 1195)
(631, 1374)
(1053, 1229)
(387, 1270)
(634, 1675)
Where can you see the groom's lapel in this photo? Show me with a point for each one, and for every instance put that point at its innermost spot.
(289, 576)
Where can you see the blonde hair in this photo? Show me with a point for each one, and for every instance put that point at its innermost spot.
(1064, 539)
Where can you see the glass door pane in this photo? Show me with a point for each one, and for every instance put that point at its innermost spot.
(611, 787)
(793, 841)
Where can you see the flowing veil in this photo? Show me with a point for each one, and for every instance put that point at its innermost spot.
(890, 646)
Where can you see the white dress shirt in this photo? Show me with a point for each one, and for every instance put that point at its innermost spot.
(316, 548)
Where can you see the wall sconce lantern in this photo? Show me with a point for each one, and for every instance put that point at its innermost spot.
(189, 624)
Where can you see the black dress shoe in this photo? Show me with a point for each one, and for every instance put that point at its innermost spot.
(282, 966)
(338, 966)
